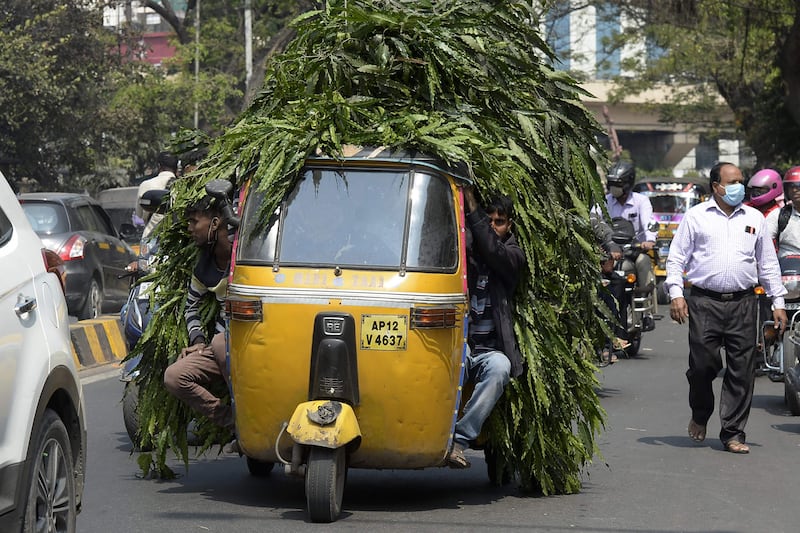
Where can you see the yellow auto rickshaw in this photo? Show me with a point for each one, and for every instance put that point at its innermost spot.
(347, 310)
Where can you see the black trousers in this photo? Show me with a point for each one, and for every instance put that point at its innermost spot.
(714, 324)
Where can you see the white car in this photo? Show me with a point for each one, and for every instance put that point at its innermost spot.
(42, 429)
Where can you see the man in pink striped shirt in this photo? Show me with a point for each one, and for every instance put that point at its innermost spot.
(724, 248)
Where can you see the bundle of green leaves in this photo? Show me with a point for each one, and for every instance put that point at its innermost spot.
(467, 81)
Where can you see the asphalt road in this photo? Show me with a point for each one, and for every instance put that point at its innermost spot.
(649, 476)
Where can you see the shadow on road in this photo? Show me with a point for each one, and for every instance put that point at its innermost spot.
(682, 442)
(788, 428)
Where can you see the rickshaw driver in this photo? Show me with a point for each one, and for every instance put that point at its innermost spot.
(201, 364)
(494, 263)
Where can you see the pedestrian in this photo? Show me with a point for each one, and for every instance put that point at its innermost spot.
(202, 363)
(725, 251)
(167, 170)
(494, 264)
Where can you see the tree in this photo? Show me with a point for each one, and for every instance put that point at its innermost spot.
(53, 67)
(222, 36)
(462, 80)
(745, 52)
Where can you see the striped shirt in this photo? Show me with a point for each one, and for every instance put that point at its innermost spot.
(637, 209)
(724, 253)
(206, 279)
(481, 327)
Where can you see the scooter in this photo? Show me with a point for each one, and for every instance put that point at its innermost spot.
(637, 306)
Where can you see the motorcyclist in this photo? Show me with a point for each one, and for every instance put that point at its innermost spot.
(783, 225)
(622, 202)
(765, 191)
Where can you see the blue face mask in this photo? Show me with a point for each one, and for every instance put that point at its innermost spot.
(734, 194)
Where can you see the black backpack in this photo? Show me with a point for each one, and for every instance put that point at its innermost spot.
(783, 220)
(622, 230)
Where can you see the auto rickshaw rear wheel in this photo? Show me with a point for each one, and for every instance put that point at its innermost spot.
(325, 479)
(259, 468)
(499, 474)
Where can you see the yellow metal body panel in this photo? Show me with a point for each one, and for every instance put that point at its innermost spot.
(408, 398)
(335, 435)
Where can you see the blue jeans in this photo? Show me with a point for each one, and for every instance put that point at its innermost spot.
(490, 371)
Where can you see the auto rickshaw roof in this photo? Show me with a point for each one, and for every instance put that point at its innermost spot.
(672, 184)
(381, 154)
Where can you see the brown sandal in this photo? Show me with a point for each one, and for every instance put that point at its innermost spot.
(734, 446)
(456, 459)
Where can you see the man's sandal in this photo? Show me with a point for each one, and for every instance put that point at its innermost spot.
(456, 459)
(696, 431)
(734, 446)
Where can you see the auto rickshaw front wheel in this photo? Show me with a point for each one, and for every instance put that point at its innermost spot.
(325, 478)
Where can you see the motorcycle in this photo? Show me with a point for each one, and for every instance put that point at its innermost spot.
(780, 356)
(637, 305)
(135, 315)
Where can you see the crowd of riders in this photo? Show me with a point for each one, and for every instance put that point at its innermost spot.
(766, 190)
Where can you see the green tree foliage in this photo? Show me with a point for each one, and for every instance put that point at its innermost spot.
(464, 80)
(745, 54)
(53, 65)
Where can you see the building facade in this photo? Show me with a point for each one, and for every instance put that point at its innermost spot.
(581, 35)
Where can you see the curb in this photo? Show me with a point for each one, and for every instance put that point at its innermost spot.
(97, 342)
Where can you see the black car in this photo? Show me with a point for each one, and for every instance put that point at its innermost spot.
(77, 228)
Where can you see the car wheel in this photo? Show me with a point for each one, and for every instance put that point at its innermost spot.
(94, 302)
(51, 502)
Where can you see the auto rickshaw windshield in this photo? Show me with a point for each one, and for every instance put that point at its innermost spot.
(673, 203)
(359, 218)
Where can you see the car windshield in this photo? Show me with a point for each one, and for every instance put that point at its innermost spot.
(357, 218)
(45, 217)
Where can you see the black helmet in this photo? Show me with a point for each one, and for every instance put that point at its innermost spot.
(622, 175)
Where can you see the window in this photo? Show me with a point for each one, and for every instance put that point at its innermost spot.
(357, 218)
(46, 218)
(6, 229)
(102, 221)
(87, 219)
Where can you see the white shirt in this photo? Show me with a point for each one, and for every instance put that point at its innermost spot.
(724, 253)
(160, 181)
(790, 236)
(637, 209)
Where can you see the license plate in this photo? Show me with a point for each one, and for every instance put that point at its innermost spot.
(792, 306)
(144, 287)
(384, 332)
(664, 250)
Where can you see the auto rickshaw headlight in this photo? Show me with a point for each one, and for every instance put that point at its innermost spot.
(433, 317)
(244, 310)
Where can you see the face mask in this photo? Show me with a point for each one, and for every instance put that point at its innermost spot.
(734, 194)
(616, 192)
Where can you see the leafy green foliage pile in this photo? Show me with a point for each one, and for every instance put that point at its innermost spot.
(467, 81)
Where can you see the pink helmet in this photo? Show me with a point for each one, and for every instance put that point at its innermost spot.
(764, 187)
